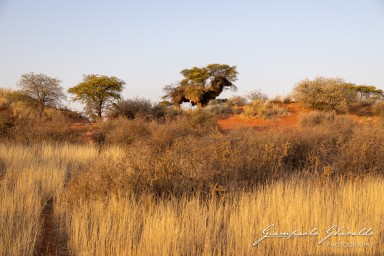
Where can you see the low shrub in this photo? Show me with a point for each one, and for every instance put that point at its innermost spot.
(378, 108)
(317, 117)
(327, 94)
(137, 108)
(186, 156)
(220, 109)
(262, 109)
(236, 101)
(257, 95)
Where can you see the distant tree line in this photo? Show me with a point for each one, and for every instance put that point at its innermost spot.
(100, 94)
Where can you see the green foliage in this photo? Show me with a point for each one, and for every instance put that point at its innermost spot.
(195, 93)
(46, 90)
(97, 93)
(196, 84)
(195, 76)
(365, 92)
(325, 94)
(200, 76)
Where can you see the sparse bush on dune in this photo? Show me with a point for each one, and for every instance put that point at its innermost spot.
(236, 101)
(317, 118)
(327, 94)
(264, 109)
(257, 95)
(220, 109)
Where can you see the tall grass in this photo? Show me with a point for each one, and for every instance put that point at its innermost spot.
(186, 188)
(230, 225)
(31, 176)
(19, 215)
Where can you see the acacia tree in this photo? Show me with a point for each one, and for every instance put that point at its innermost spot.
(46, 90)
(366, 92)
(200, 85)
(97, 93)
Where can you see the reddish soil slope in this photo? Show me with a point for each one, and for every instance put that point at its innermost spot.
(238, 121)
(292, 119)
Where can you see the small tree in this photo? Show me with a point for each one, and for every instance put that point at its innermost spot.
(97, 93)
(366, 93)
(325, 94)
(46, 90)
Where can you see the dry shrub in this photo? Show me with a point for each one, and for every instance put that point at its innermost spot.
(54, 126)
(191, 155)
(6, 124)
(317, 117)
(107, 174)
(220, 109)
(123, 131)
(236, 101)
(137, 108)
(257, 95)
(378, 108)
(322, 93)
(362, 153)
(263, 109)
(120, 131)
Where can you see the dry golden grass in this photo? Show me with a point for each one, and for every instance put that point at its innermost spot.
(19, 215)
(230, 225)
(117, 223)
(32, 175)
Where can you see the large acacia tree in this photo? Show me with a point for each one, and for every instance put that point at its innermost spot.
(44, 89)
(201, 85)
(97, 92)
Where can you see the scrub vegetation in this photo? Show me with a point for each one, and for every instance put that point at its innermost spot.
(135, 177)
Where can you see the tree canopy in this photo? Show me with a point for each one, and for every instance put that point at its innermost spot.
(202, 76)
(366, 92)
(97, 92)
(200, 85)
(46, 90)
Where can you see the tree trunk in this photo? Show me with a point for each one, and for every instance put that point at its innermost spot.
(99, 109)
(41, 110)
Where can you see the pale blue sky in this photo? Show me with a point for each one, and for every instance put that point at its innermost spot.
(147, 43)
